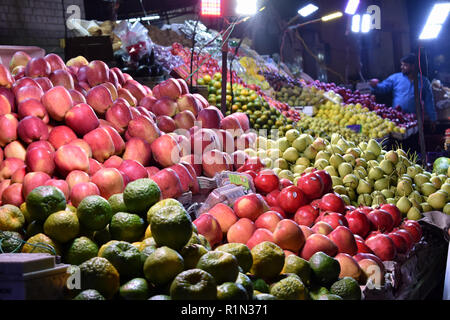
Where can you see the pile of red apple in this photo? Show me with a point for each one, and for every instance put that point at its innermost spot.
(88, 129)
(308, 218)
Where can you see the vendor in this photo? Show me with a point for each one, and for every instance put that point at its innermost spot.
(401, 85)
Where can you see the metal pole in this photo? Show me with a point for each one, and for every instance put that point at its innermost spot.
(420, 122)
(224, 71)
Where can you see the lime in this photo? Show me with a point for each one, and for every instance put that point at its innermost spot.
(124, 257)
(89, 294)
(241, 252)
(80, 250)
(117, 204)
(191, 254)
(41, 243)
(264, 296)
(193, 284)
(162, 204)
(245, 281)
(135, 289)
(10, 241)
(163, 265)
(221, 265)
(325, 269)
(99, 274)
(347, 288)
(43, 201)
(268, 260)
(139, 195)
(62, 226)
(126, 227)
(298, 266)
(260, 285)
(289, 288)
(94, 212)
(231, 291)
(11, 218)
(160, 297)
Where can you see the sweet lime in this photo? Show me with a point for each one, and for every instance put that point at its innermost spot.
(193, 284)
(94, 212)
(126, 227)
(43, 201)
(139, 195)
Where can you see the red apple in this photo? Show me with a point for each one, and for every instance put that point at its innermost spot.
(322, 227)
(168, 89)
(109, 181)
(291, 199)
(55, 62)
(189, 103)
(33, 180)
(358, 223)
(260, 235)
(82, 119)
(249, 206)
(414, 229)
(133, 169)
(289, 236)
(32, 107)
(166, 150)
(97, 72)
(69, 158)
(209, 227)
(318, 242)
(75, 177)
(307, 231)
(344, 240)
(382, 246)
(268, 220)
(209, 118)
(37, 67)
(224, 215)
(101, 144)
(169, 183)
(40, 159)
(61, 135)
(334, 219)
(306, 215)
(381, 220)
(61, 185)
(81, 191)
(266, 181)
(62, 78)
(100, 99)
(138, 149)
(57, 101)
(143, 127)
(165, 107)
(332, 202)
(13, 195)
(32, 129)
(400, 244)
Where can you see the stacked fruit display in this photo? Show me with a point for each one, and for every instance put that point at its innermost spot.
(305, 219)
(363, 174)
(253, 73)
(278, 81)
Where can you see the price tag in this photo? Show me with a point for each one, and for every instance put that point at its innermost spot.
(239, 180)
(356, 128)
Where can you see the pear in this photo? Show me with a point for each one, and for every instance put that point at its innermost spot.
(335, 138)
(298, 168)
(360, 173)
(363, 146)
(393, 179)
(334, 149)
(401, 152)
(310, 152)
(363, 187)
(387, 193)
(414, 214)
(323, 155)
(303, 161)
(300, 144)
(274, 154)
(319, 144)
(372, 163)
(321, 164)
(292, 135)
(428, 174)
(403, 204)
(261, 154)
(380, 158)
(336, 181)
(420, 179)
(404, 188)
(391, 156)
(336, 160)
(427, 189)
(360, 162)
(268, 162)
(355, 152)
(376, 173)
(340, 190)
(426, 207)
(276, 170)
(437, 200)
(436, 181)
(391, 201)
(291, 154)
(296, 178)
(346, 199)
(271, 144)
(369, 155)
(416, 196)
(364, 200)
(286, 174)
(283, 144)
(261, 142)
(343, 144)
(374, 147)
(401, 168)
(309, 170)
(350, 159)
(446, 209)
(378, 200)
(281, 163)
(351, 193)
(250, 152)
(345, 169)
(387, 166)
(443, 178)
(332, 171)
(446, 187)
(381, 184)
(419, 168)
(412, 171)
(351, 181)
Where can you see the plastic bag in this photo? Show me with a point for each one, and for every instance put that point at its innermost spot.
(134, 39)
(227, 194)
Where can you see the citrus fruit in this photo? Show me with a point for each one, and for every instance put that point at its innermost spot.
(162, 204)
(298, 266)
(41, 243)
(10, 241)
(325, 269)
(347, 288)
(11, 218)
(264, 296)
(102, 236)
(148, 232)
(163, 265)
(126, 227)
(149, 242)
(80, 250)
(139, 195)
(70, 208)
(160, 297)
(26, 214)
(221, 265)
(171, 226)
(117, 204)
(146, 252)
(43, 201)
(99, 274)
(231, 291)
(94, 212)
(33, 228)
(241, 252)
(203, 241)
(289, 288)
(260, 285)
(245, 281)
(89, 294)
(62, 226)
(268, 260)
(193, 284)
(135, 289)
(317, 292)
(124, 257)
(191, 254)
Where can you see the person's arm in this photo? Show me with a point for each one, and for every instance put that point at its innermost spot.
(385, 87)
(429, 100)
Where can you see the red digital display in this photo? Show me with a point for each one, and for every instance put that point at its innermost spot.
(211, 8)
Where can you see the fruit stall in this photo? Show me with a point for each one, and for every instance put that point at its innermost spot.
(121, 181)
